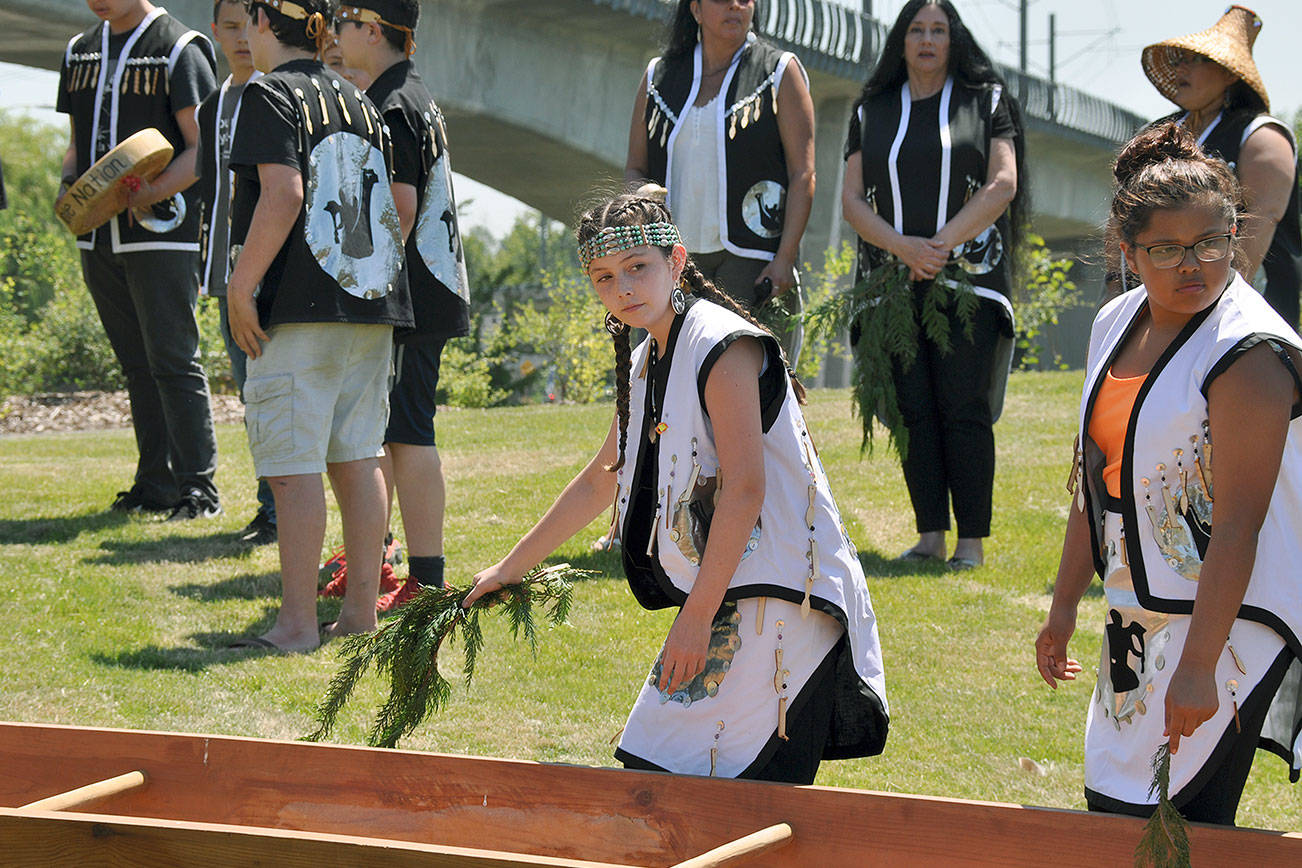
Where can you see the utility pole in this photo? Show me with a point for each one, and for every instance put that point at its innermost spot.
(1053, 65)
(1022, 54)
(1053, 48)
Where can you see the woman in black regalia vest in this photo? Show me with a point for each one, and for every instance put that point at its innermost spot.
(933, 176)
(724, 121)
(1211, 76)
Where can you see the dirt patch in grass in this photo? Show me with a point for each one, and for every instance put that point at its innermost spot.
(87, 411)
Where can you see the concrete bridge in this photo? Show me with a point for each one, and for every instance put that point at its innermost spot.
(538, 95)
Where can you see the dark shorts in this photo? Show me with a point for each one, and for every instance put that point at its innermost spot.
(411, 399)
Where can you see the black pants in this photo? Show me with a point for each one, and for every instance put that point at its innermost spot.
(944, 399)
(146, 304)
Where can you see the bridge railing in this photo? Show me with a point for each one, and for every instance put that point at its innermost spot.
(845, 42)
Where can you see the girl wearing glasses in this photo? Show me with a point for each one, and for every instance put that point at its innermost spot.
(1213, 79)
(1202, 627)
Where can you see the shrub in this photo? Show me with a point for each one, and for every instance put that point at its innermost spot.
(1039, 300)
(567, 332)
(466, 378)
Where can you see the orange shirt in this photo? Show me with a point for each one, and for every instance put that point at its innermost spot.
(1108, 422)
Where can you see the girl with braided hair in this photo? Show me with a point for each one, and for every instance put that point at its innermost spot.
(773, 661)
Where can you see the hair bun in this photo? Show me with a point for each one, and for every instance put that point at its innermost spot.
(1157, 144)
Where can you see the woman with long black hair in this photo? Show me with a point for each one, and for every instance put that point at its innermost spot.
(723, 120)
(934, 176)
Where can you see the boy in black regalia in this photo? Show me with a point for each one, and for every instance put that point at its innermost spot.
(140, 68)
(378, 37)
(315, 291)
(217, 116)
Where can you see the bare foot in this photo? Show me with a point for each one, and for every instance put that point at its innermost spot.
(337, 629)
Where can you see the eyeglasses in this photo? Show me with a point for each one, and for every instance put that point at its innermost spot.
(1212, 249)
(1180, 56)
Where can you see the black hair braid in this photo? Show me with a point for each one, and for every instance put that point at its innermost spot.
(703, 288)
(623, 385)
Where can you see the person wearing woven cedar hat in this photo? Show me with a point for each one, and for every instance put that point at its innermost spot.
(773, 661)
(1212, 77)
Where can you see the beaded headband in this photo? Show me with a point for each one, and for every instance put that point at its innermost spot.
(364, 16)
(612, 239)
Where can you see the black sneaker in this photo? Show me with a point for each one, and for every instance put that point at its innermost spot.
(260, 531)
(132, 501)
(195, 504)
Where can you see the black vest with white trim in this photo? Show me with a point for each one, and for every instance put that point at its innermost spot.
(753, 164)
(140, 99)
(1225, 138)
(965, 132)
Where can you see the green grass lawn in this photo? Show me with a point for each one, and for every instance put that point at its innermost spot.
(114, 621)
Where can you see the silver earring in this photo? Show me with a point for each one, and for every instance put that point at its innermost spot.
(678, 299)
(615, 325)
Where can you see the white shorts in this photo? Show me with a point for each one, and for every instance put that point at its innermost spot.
(318, 395)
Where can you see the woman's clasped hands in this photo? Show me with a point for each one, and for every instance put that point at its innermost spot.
(925, 257)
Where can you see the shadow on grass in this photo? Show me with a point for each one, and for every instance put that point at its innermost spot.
(248, 586)
(171, 550)
(212, 650)
(58, 529)
(878, 566)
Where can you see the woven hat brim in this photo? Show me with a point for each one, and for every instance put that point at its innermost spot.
(1213, 44)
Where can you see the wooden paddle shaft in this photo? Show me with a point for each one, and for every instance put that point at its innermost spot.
(753, 844)
(90, 793)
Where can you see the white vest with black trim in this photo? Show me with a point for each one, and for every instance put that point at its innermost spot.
(787, 548)
(1170, 414)
(752, 164)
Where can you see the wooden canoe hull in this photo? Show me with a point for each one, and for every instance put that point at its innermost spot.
(217, 800)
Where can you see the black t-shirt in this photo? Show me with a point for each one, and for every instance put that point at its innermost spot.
(342, 261)
(435, 262)
(918, 163)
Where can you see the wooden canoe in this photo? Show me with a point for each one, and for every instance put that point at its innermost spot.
(222, 801)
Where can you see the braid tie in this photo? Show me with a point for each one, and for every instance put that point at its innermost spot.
(319, 32)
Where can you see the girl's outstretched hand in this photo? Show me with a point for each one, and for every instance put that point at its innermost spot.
(490, 581)
(1051, 649)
